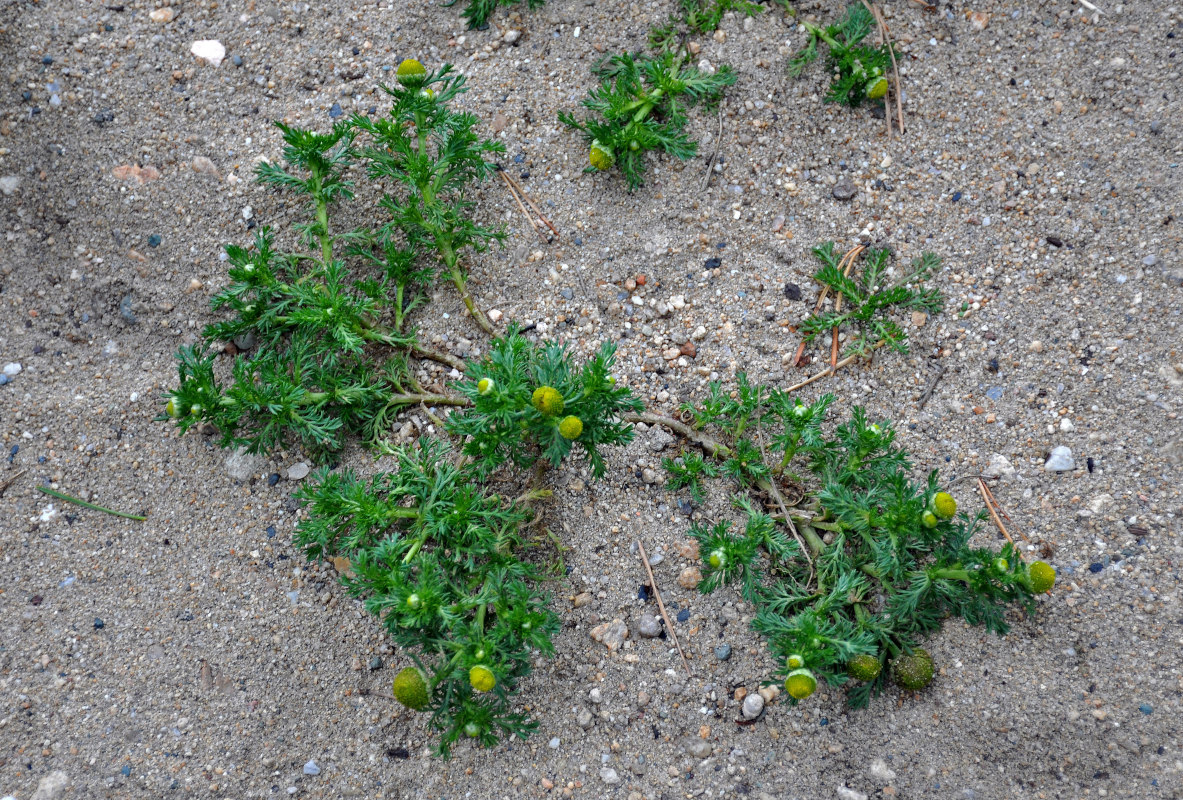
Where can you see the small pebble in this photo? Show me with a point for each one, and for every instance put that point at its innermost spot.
(375, 663)
(311, 768)
(98, 624)
(723, 652)
(753, 705)
(154, 240)
(1146, 709)
(273, 479)
(335, 111)
(12, 369)
(298, 471)
(683, 615)
(649, 627)
(1060, 460)
(844, 190)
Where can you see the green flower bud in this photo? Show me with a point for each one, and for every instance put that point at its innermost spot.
(571, 427)
(410, 688)
(800, 684)
(172, 409)
(482, 678)
(1002, 565)
(427, 92)
(411, 73)
(1043, 577)
(913, 672)
(943, 505)
(600, 156)
(864, 667)
(634, 145)
(486, 385)
(414, 602)
(929, 519)
(472, 730)
(876, 87)
(547, 400)
(717, 559)
(480, 654)
(795, 661)
(196, 409)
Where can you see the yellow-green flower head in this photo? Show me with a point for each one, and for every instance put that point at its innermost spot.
(172, 408)
(864, 667)
(795, 661)
(427, 92)
(571, 427)
(548, 400)
(410, 688)
(717, 559)
(472, 730)
(1043, 577)
(929, 519)
(800, 684)
(944, 505)
(411, 73)
(600, 156)
(486, 385)
(414, 602)
(482, 678)
(876, 87)
(913, 672)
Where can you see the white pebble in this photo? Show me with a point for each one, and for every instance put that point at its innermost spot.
(1060, 460)
(753, 704)
(211, 51)
(12, 368)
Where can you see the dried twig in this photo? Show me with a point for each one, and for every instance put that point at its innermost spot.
(831, 370)
(718, 146)
(886, 36)
(84, 504)
(774, 490)
(821, 298)
(849, 258)
(518, 190)
(4, 486)
(927, 393)
(995, 509)
(661, 606)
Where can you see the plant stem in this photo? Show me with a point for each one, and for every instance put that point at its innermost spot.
(84, 504)
(451, 262)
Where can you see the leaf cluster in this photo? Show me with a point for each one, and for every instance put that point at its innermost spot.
(869, 299)
(477, 12)
(504, 426)
(853, 66)
(435, 557)
(640, 105)
(855, 562)
(429, 155)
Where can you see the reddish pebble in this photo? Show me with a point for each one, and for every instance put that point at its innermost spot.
(641, 280)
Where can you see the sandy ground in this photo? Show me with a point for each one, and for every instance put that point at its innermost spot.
(199, 655)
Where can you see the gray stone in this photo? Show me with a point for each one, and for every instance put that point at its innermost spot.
(723, 652)
(12, 369)
(1150, 260)
(585, 719)
(242, 466)
(246, 340)
(999, 467)
(311, 768)
(844, 190)
(753, 706)
(699, 748)
(609, 776)
(298, 471)
(9, 184)
(52, 786)
(881, 772)
(611, 634)
(126, 311)
(649, 627)
(1060, 460)
(846, 793)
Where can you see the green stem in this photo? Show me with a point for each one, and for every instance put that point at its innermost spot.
(398, 308)
(812, 540)
(950, 575)
(84, 504)
(451, 262)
